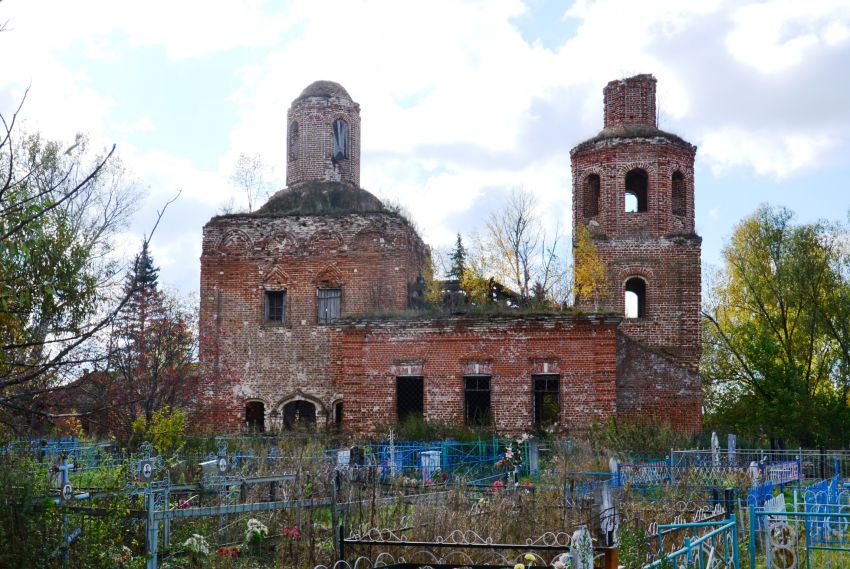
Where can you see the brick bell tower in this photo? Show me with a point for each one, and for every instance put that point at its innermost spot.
(633, 187)
(323, 136)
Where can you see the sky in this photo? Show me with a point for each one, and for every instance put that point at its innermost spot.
(460, 101)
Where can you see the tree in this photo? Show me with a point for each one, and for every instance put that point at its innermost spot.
(517, 252)
(775, 351)
(60, 206)
(589, 282)
(458, 260)
(249, 175)
(153, 350)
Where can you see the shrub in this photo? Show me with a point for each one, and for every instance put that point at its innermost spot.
(166, 430)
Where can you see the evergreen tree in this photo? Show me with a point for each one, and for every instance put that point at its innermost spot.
(458, 258)
(153, 349)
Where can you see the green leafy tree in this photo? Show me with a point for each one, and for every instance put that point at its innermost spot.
(60, 207)
(775, 336)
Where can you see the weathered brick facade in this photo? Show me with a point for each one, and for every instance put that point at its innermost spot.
(262, 275)
(580, 350)
(655, 244)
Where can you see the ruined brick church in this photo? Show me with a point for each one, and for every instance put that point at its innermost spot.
(306, 303)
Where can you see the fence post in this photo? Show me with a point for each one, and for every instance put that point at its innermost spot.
(729, 499)
(152, 532)
(752, 511)
(736, 561)
(335, 511)
(672, 479)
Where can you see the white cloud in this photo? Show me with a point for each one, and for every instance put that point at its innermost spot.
(776, 36)
(768, 153)
(456, 106)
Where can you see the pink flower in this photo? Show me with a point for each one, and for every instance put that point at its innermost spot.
(497, 486)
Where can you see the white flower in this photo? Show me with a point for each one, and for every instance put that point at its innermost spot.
(257, 530)
(197, 544)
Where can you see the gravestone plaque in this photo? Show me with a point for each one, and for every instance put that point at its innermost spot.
(146, 470)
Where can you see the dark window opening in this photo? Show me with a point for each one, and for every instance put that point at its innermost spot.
(635, 298)
(476, 400)
(299, 414)
(591, 196)
(679, 196)
(275, 307)
(293, 141)
(255, 416)
(409, 397)
(329, 305)
(547, 400)
(338, 415)
(340, 139)
(637, 189)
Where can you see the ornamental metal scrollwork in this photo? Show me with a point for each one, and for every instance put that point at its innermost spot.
(782, 538)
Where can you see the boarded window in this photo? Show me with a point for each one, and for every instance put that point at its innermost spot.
(476, 400)
(340, 139)
(547, 401)
(275, 307)
(679, 197)
(255, 416)
(329, 305)
(637, 190)
(299, 415)
(293, 141)
(409, 397)
(635, 299)
(591, 196)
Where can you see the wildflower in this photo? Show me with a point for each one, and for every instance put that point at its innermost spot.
(558, 564)
(529, 557)
(256, 531)
(197, 545)
(527, 484)
(519, 566)
(497, 486)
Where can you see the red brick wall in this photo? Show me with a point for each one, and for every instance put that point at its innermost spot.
(655, 245)
(652, 386)
(581, 349)
(630, 101)
(371, 257)
(311, 159)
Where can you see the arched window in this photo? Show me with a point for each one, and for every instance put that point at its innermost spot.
(338, 414)
(637, 189)
(255, 416)
(293, 141)
(635, 298)
(591, 196)
(340, 139)
(299, 414)
(678, 198)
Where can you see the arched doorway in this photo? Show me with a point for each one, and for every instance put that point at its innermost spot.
(255, 416)
(299, 414)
